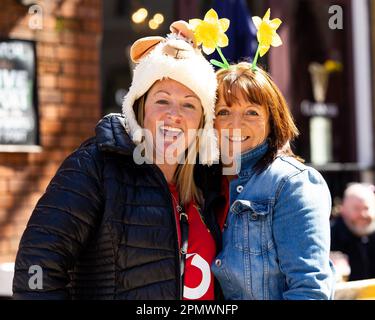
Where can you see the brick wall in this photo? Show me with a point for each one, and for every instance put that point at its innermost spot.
(69, 103)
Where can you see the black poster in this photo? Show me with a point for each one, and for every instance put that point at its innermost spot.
(18, 100)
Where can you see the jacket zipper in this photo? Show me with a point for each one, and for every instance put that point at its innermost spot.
(179, 284)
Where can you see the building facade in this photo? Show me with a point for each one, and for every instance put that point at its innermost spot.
(67, 37)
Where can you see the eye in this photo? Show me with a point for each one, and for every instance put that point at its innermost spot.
(189, 105)
(164, 102)
(222, 112)
(252, 113)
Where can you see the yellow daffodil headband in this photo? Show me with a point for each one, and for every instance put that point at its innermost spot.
(210, 33)
(266, 35)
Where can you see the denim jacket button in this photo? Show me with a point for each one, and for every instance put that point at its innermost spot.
(239, 189)
(254, 216)
(218, 262)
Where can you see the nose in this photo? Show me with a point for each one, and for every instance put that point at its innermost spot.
(361, 217)
(237, 121)
(174, 113)
(364, 214)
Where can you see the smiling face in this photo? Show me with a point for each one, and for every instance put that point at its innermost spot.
(171, 109)
(251, 101)
(252, 119)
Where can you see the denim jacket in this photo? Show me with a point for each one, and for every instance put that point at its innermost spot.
(276, 239)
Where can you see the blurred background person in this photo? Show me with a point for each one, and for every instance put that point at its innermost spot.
(353, 231)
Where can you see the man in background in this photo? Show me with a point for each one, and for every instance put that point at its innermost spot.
(353, 232)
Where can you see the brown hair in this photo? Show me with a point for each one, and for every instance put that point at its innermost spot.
(184, 175)
(259, 88)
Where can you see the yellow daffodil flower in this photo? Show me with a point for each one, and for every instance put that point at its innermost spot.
(266, 34)
(332, 66)
(210, 32)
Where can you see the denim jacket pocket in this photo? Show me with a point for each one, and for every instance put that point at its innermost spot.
(252, 235)
(252, 226)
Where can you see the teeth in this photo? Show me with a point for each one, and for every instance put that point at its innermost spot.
(237, 139)
(171, 130)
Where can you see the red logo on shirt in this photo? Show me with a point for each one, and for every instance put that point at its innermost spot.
(199, 281)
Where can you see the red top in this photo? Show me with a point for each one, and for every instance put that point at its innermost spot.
(199, 280)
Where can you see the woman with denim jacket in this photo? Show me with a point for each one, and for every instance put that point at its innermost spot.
(276, 235)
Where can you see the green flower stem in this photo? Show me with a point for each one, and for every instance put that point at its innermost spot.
(218, 64)
(223, 58)
(256, 58)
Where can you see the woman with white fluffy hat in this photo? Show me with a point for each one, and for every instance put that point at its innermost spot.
(127, 215)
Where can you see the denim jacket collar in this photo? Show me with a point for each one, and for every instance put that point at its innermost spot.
(249, 158)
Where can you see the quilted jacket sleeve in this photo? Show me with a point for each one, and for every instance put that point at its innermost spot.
(59, 228)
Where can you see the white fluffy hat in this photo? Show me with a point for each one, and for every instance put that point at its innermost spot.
(175, 57)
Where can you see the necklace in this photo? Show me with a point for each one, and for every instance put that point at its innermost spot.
(178, 207)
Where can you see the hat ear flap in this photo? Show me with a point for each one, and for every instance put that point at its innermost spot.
(143, 46)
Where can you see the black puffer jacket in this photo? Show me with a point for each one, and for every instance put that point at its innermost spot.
(105, 227)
